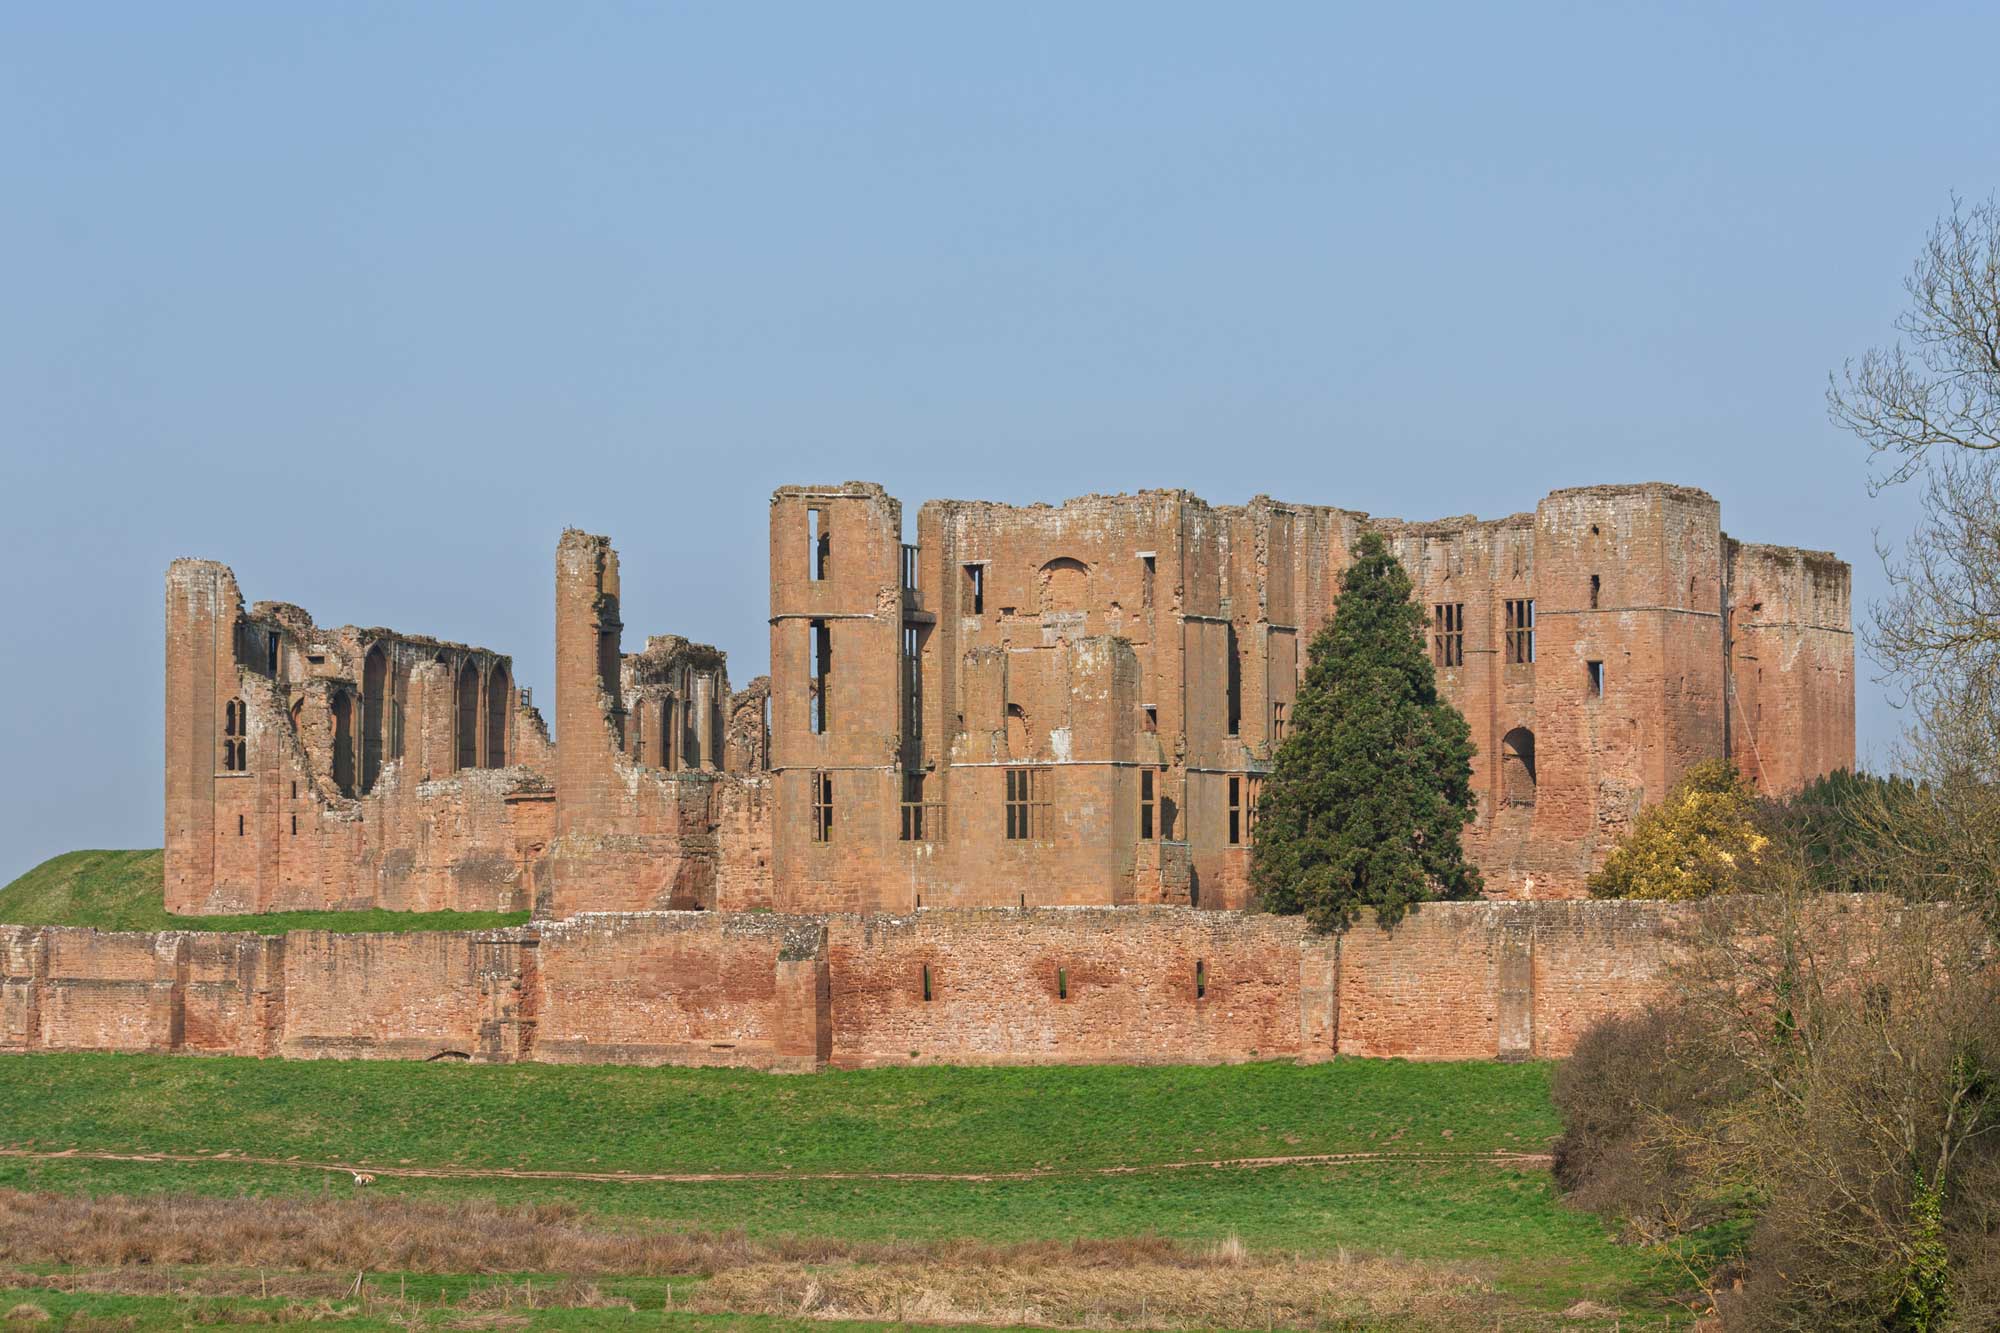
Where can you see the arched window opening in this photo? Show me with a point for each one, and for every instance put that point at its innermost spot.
(374, 715)
(235, 737)
(1065, 586)
(468, 717)
(343, 743)
(499, 686)
(1020, 741)
(1517, 767)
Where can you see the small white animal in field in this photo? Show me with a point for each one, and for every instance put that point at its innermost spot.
(363, 1178)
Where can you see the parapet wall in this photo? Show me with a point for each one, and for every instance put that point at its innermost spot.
(763, 990)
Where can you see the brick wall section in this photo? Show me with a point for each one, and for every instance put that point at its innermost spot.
(683, 988)
(764, 990)
(1075, 986)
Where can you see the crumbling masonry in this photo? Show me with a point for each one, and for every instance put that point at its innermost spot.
(1030, 708)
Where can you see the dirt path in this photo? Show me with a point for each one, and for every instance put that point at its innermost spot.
(1496, 1158)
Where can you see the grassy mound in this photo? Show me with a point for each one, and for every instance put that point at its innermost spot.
(125, 890)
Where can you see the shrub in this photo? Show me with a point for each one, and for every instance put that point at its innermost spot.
(1697, 842)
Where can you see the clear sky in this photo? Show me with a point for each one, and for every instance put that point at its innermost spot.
(371, 301)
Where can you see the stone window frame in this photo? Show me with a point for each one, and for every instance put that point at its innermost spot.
(1520, 631)
(1027, 803)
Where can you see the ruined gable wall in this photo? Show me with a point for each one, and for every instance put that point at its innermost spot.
(644, 817)
(1791, 665)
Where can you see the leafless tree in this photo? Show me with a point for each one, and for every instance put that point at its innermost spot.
(1939, 386)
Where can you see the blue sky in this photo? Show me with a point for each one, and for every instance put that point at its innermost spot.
(371, 301)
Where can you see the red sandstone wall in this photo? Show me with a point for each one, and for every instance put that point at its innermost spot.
(998, 979)
(415, 996)
(683, 988)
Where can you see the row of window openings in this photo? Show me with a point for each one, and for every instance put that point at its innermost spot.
(1027, 806)
(376, 748)
(1062, 982)
(1448, 628)
(972, 589)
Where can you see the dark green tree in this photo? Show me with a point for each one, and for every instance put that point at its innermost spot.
(1369, 791)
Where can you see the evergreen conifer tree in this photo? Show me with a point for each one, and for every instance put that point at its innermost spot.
(1368, 792)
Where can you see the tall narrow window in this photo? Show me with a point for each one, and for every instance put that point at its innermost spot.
(1148, 571)
(499, 691)
(1234, 666)
(1520, 634)
(819, 541)
(271, 651)
(1596, 584)
(1252, 789)
(913, 681)
(975, 590)
(822, 673)
(235, 737)
(1147, 800)
(927, 983)
(1062, 983)
(1448, 634)
(822, 809)
(1027, 804)
(1200, 978)
(239, 826)
(468, 714)
(1281, 718)
(1596, 679)
(1235, 812)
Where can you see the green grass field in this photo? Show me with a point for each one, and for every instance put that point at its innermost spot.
(124, 890)
(1499, 1220)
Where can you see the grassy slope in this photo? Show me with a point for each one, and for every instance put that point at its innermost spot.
(602, 1118)
(124, 890)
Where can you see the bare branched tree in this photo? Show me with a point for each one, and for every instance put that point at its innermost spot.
(1940, 384)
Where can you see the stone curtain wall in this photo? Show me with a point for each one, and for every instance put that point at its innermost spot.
(769, 991)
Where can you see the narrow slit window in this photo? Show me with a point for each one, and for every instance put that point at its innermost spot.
(822, 808)
(239, 826)
(1236, 812)
(271, 651)
(975, 589)
(1596, 679)
(295, 826)
(1596, 585)
(1520, 631)
(1234, 668)
(927, 983)
(1448, 633)
(1200, 979)
(1062, 983)
(1146, 805)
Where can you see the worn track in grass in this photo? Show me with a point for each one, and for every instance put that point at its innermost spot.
(1493, 1158)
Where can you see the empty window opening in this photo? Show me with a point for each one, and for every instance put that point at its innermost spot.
(1517, 767)
(913, 681)
(1027, 806)
(822, 807)
(295, 791)
(927, 983)
(819, 545)
(1146, 805)
(1147, 573)
(239, 826)
(343, 743)
(395, 729)
(975, 590)
(295, 826)
(1520, 630)
(1281, 718)
(910, 565)
(374, 715)
(1200, 978)
(1020, 741)
(1596, 679)
(1234, 667)
(1062, 983)
(1152, 719)
(1236, 812)
(499, 686)
(1448, 634)
(923, 812)
(271, 651)
(468, 717)
(1596, 586)
(822, 673)
(235, 737)
(1593, 529)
